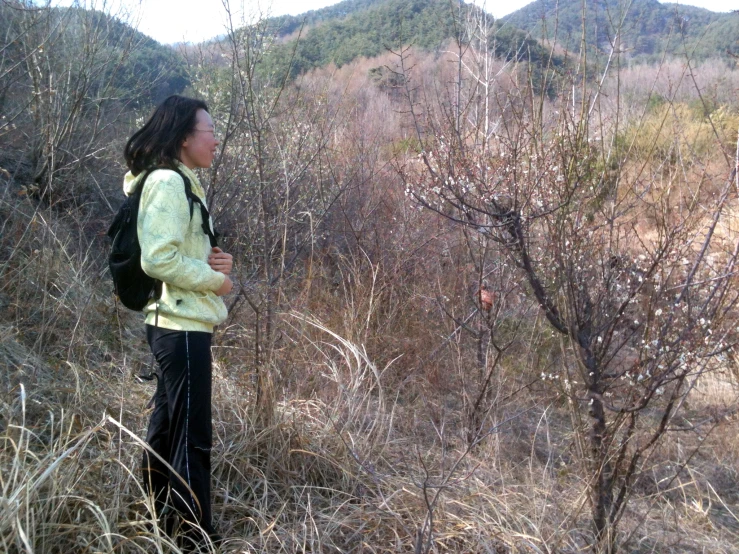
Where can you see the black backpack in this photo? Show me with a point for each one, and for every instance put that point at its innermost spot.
(133, 287)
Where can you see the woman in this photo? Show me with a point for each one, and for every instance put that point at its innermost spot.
(175, 250)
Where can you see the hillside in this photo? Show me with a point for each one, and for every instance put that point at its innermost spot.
(366, 28)
(351, 29)
(288, 24)
(152, 70)
(647, 28)
(156, 67)
(68, 76)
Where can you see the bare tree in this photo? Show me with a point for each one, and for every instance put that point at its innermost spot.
(274, 183)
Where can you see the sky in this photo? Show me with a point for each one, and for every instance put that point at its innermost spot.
(170, 21)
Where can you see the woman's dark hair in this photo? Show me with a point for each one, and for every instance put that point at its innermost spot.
(158, 143)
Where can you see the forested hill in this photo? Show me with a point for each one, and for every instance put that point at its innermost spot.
(354, 28)
(648, 28)
(287, 24)
(152, 69)
(148, 70)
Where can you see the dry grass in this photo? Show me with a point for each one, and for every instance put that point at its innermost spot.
(325, 477)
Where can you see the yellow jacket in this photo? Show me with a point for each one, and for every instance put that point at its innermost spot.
(174, 249)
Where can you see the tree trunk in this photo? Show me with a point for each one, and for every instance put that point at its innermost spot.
(602, 470)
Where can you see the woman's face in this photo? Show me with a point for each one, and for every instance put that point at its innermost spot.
(199, 147)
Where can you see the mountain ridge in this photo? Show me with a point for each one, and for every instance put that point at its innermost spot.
(640, 29)
(643, 28)
(367, 28)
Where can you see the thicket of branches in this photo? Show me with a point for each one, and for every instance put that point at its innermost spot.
(621, 253)
(482, 304)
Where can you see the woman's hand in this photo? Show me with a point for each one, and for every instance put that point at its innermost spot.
(218, 260)
(225, 287)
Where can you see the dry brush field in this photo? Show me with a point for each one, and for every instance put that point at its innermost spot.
(368, 397)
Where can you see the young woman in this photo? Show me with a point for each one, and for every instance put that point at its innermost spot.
(175, 250)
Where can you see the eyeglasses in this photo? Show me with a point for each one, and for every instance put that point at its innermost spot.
(212, 131)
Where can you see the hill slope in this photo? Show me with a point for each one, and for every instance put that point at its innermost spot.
(643, 27)
(355, 28)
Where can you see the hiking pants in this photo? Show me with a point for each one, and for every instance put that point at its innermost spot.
(180, 430)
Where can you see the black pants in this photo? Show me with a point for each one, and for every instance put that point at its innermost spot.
(180, 430)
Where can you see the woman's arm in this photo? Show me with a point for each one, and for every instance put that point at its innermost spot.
(225, 287)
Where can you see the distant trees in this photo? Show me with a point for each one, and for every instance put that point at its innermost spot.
(368, 33)
(427, 25)
(645, 29)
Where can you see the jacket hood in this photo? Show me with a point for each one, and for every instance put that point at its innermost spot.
(131, 182)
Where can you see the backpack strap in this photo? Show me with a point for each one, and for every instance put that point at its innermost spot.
(192, 200)
(205, 215)
(140, 186)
